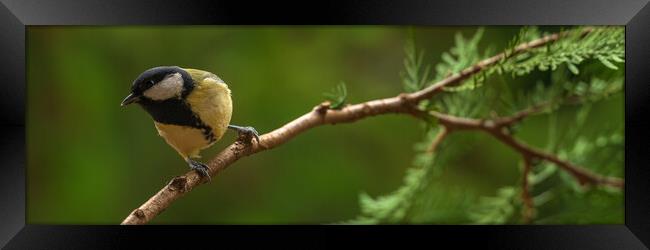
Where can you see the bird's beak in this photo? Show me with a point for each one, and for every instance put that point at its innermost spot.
(131, 98)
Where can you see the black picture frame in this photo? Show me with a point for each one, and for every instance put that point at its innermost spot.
(16, 15)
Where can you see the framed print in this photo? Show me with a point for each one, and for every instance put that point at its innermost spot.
(514, 124)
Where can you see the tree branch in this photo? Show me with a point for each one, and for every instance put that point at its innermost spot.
(320, 115)
(498, 128)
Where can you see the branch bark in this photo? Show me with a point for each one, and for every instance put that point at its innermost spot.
(320, 115)
(529, 205)
(499, 128)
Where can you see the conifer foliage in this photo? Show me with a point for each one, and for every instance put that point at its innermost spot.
(565, 82)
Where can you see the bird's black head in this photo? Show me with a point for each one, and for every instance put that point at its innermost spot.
(160, 84)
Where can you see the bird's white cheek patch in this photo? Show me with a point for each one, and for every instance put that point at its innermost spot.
(170, 87)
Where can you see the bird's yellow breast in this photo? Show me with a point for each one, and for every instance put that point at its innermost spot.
(187, 141)
(210, 101)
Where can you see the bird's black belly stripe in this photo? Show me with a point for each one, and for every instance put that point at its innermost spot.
(176, 112)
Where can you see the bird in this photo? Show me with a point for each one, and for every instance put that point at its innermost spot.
(191, 109)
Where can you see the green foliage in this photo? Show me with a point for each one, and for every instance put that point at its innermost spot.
(556, 195)
(422, 198)
(467, 103)
(606, 44)
(464, 54)
(500, 209)
(394, 207)
(337, 96)
(415, 76)
(571, 76)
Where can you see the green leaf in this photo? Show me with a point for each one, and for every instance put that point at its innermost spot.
(337, 96)
(572, 67)
(607, 63)
(616, 58)
(415, 76)
(464, 54)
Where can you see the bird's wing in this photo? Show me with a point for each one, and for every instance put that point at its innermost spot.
(210, 100)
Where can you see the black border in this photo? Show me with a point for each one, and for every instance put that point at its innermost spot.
(16, 14)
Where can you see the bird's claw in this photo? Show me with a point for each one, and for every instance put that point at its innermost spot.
(200, 168)
(246, 132)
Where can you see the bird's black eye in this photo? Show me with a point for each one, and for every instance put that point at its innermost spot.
(151, 82)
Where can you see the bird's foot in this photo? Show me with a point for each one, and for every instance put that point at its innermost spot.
(247, 133)
(200, 168)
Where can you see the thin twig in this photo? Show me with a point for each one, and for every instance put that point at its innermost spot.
(444, 131)
(529, 206)
(499, 129)
(517, 117)
(320, 115)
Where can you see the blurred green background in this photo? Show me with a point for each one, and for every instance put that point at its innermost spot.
(91, 161)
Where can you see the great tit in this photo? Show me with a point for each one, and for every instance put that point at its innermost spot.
(191, 109)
